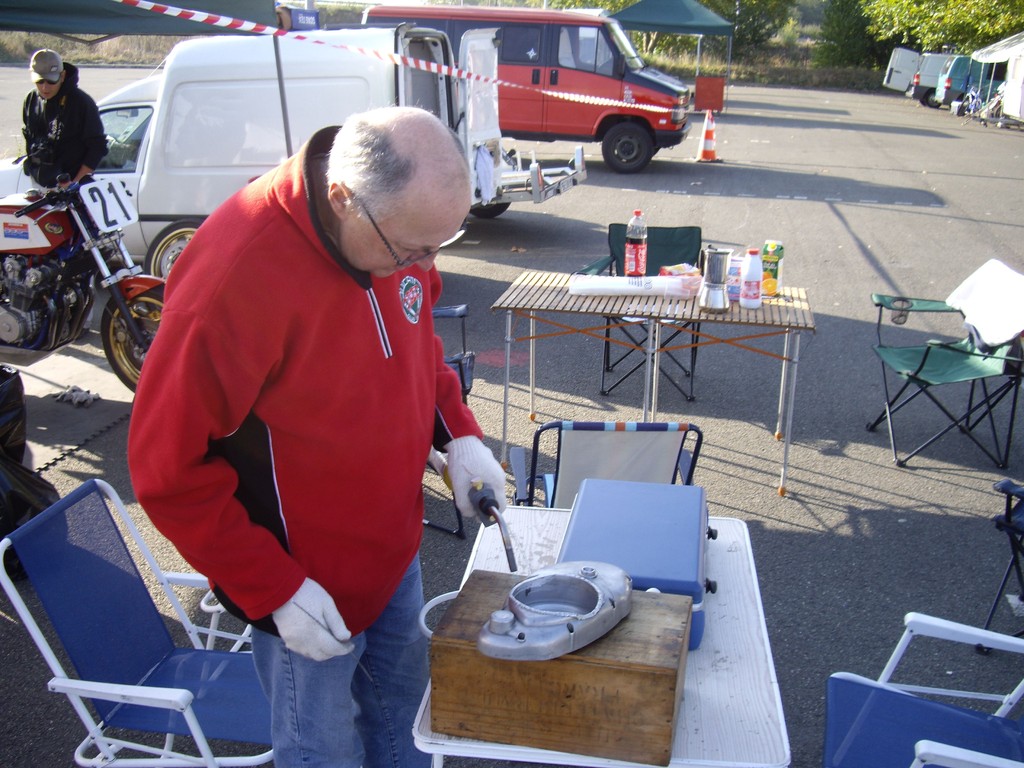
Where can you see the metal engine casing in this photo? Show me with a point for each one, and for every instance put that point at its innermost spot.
(559, 609)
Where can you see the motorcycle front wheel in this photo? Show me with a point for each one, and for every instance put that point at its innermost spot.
(123, 353)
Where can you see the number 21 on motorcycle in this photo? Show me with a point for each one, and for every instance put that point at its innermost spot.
(57, 250)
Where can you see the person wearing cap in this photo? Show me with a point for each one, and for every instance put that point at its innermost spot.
(284, 415)
(62, 127)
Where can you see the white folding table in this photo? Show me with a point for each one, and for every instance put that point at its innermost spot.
(731, 714)
(544, 297)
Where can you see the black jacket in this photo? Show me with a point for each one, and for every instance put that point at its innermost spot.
(62, 134)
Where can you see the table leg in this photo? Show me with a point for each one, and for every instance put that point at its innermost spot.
(655, 370)
(783, 385)
(508, 372)
(695, 329)
(533, 368)
(651, 347)
(789, 409)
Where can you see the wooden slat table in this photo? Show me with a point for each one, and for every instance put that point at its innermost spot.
(543, 296)
(731, 714)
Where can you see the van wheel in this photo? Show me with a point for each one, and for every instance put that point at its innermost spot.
(492, 211)
(928, 99)
(627, 148)
(168, 245)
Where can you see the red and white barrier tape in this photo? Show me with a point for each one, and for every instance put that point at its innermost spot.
(229, 22)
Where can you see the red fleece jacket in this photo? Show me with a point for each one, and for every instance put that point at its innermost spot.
(287, 406)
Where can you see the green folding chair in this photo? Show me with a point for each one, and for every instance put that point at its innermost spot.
(666, 246)
(973, 376)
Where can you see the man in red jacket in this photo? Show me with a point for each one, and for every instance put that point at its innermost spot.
(284, 417)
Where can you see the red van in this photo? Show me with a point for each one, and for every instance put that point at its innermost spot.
(570, 52)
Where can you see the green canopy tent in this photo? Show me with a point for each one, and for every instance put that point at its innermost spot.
(681, 17)
(677, 17)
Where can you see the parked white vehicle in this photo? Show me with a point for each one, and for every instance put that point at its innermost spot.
(223, 110)
(922, 87)
(903, 63)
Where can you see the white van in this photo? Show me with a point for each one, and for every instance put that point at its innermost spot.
(922, 88)
(903, 63)
(223, 110)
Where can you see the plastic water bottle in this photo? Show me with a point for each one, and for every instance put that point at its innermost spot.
(751, 275)
(636, 245)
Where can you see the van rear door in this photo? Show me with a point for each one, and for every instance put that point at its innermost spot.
(903, 63)
(478, 54)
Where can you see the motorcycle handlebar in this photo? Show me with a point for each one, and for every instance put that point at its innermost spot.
(58, 195)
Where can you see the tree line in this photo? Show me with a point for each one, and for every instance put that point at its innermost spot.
(855, 33)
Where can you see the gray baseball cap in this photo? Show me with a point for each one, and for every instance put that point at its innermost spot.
(46, 65)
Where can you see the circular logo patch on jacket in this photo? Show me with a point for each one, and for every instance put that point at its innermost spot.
(410, 293)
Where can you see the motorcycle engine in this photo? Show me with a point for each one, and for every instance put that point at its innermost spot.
(28, 288)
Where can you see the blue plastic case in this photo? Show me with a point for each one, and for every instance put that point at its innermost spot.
(656, 532)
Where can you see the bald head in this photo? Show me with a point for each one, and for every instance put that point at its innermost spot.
(386, 155)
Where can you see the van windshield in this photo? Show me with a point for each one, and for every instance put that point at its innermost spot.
(625, 45)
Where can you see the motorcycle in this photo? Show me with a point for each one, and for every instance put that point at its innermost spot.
(57, 250)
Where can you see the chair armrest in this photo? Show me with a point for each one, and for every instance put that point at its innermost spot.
(601, 265)
(177, 699)
(453, 310)
(929, 626)
(195, 580)
(1004, 352)
(1010, 488)
(934, 753)
(908, 304)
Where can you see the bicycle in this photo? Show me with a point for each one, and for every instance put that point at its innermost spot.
(971, 105)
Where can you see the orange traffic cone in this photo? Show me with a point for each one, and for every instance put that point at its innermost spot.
(706, 154)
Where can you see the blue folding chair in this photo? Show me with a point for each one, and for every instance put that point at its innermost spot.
(126, 666)
(461, 360)
(651, 452)
(884, 724)
(1011, 522)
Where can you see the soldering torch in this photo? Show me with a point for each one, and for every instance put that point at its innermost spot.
(483, 500)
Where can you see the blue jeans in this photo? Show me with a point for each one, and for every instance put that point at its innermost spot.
(353, 710)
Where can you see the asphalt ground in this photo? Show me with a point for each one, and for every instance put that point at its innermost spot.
(869, 192)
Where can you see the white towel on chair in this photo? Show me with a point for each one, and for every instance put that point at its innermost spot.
(485, 174)
(992, 302)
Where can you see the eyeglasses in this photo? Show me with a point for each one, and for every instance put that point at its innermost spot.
(422, 255)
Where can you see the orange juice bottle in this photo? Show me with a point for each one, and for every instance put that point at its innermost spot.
(771, 258)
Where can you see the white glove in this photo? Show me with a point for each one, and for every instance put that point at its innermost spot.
(469, 462)
(310, 624)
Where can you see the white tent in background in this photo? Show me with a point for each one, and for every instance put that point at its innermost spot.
(1004, 50)
(1011, 51)
(1013, 89)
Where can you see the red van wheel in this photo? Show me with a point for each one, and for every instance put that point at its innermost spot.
(627, 148)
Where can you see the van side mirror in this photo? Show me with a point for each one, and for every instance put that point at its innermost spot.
(620, 67)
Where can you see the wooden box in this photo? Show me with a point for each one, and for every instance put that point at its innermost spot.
(616, 698)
